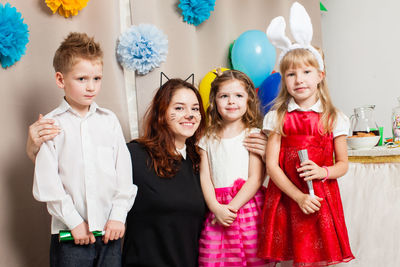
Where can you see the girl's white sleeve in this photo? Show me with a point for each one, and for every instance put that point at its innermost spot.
(269, 122)
(203, 143)
(342, 126)
(255, 130)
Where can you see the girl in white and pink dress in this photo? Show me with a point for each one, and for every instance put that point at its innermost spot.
(231, 177)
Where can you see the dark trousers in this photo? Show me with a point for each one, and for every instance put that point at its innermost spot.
(67, 254)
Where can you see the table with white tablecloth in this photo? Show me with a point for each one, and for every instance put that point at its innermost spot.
(370, 193)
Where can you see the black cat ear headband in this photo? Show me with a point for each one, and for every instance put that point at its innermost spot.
(166, 77)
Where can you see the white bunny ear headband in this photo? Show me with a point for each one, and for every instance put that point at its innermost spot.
(302, 31)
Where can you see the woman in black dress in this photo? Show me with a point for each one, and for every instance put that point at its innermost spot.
(164, 225)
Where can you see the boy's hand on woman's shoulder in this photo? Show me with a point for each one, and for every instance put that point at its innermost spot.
(82, 235)
(114, 230)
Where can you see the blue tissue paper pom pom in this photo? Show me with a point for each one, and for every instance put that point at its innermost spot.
(142, 48)
(13, 35)
(196, 11)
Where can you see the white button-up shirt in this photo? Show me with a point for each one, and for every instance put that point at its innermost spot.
(85, 172)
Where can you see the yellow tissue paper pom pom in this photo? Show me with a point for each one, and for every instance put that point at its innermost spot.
(66, 8)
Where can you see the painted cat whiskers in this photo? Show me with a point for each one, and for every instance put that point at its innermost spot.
(172, 116)
(182, 114)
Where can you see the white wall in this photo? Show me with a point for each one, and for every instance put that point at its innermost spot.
(360, 40)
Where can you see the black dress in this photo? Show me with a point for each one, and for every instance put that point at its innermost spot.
(164, 225)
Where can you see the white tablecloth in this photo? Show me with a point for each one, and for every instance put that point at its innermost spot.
(371, 202)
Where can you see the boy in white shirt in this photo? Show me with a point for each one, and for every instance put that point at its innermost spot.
(84, 174)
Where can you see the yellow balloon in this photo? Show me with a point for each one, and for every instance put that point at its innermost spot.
(205, 87)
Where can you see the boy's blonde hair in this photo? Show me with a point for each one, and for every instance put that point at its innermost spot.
(252, 117)
(76, 46)
(293, 59)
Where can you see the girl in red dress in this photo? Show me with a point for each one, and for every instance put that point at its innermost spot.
(297, 226)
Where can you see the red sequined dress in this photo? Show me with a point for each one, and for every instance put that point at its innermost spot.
(287, 234)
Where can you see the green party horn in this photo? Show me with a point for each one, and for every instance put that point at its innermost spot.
(65, 235)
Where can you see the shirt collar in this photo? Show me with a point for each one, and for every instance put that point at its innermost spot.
(64, 107)
(292, 105)
(182, 151)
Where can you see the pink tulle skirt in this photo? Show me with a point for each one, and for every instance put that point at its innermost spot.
(235, 245)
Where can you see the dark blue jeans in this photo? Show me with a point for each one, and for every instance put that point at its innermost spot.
(67, 254)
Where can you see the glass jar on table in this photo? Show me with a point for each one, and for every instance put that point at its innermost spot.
(396, 123)
(363, 122)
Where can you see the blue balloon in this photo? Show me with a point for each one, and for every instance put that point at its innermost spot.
(268, 91)
(253, 54)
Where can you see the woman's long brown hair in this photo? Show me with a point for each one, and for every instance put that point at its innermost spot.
(158, 138)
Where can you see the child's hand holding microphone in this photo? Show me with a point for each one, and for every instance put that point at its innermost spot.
(311, 171)
(309, 203)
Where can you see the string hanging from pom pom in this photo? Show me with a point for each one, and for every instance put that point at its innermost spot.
(14, 35)
(196, 11)
(142, 48)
